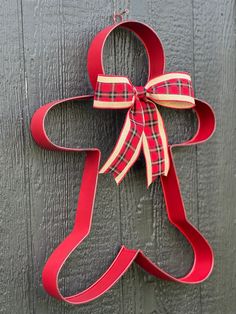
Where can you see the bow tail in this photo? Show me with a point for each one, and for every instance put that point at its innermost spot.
(128, 146)
(155, 145)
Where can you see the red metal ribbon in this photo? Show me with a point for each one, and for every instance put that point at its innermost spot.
(143, 128)
(203, 256)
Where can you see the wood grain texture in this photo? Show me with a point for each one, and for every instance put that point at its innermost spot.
(43, 57)
(215, 77)
(16, 254)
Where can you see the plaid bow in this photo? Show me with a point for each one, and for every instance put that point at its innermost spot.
(143, 127)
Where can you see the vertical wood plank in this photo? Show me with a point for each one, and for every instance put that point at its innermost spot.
(43, 58)
(215, 79)
(15, 255)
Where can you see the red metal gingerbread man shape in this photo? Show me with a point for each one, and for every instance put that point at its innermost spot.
(143, 130)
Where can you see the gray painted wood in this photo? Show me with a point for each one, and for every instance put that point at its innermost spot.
(43, 57)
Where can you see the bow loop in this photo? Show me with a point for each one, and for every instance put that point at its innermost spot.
(113, 92)
(172, 90)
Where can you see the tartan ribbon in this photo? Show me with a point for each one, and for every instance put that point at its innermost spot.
(143, 128)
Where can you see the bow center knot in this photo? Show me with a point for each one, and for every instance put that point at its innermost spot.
(140, 92)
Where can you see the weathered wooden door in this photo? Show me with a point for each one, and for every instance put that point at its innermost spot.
(43, 47)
